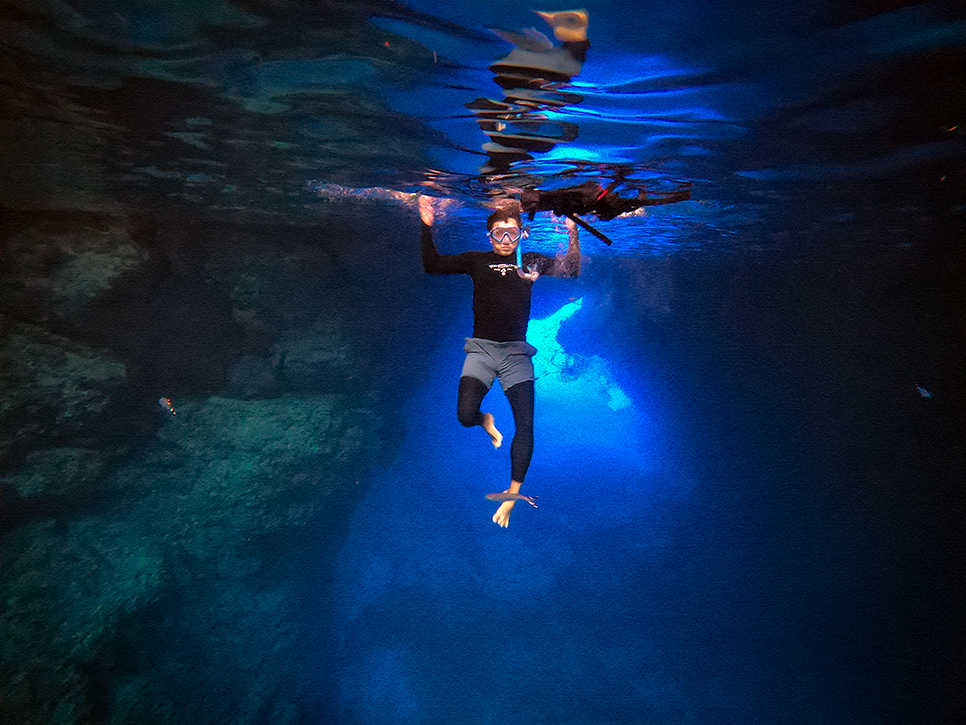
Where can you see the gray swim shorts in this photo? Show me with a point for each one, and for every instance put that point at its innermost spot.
(508, 361)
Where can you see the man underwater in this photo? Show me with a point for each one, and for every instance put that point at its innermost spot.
(502, 282)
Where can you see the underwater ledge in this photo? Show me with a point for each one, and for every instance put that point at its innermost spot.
(154, 557)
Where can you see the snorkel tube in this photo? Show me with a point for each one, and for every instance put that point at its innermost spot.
(524, 233)
(528, 274)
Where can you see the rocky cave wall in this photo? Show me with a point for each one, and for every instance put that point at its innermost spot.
(140, 565)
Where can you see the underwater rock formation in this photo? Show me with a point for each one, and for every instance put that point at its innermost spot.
(157, 241)
(185, 514)
(61, 262)
(96, 538)
(134, 536)
(53, 388)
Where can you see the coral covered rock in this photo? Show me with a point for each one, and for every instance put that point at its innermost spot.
(51, 386)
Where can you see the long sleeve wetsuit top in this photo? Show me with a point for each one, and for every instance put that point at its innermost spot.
(501, 298)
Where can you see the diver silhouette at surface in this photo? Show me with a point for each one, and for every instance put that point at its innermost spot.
(604, 202)
(502, 282)
(531, 77)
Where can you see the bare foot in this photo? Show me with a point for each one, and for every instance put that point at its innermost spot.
(490, 427)
(502, 515)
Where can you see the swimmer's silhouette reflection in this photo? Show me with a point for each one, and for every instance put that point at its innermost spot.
(531, 77)
(534, 76)
(604, 202)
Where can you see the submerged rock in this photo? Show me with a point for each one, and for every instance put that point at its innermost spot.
(66, 469)
(173, 559)
(252, 376)
(52, 387)
(61, 267)
(315, 362)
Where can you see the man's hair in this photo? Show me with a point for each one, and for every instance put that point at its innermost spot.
(505, 213)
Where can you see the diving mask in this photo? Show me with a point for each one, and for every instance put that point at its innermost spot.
(508, 234)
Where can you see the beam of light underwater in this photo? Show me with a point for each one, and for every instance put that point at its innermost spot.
(581, 405)
(572, 377)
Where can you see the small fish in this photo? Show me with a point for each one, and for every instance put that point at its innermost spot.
(505, 496)
(167, 405)
(923, 392)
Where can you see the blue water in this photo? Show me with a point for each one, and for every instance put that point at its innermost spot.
(748, 458)
(733, 546)
(447, 617)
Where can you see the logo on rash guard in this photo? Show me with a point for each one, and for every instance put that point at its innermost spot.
(503, 268)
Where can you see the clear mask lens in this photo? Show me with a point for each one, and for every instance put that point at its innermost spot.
(507, 234)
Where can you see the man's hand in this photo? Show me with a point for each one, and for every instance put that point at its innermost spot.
(427, 212)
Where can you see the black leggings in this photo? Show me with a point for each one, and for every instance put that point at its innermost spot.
(521, 402)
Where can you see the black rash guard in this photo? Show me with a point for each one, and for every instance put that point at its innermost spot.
(501, 298)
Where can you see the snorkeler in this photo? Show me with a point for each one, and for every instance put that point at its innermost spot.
(502, 282)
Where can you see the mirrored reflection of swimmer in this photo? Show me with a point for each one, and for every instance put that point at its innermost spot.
(531, 77)
(501, 313)
(592, 197)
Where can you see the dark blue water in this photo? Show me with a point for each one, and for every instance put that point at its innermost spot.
(753, 540)
(748, 454)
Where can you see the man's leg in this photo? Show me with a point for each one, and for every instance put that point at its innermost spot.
(468, 401)
(521, 450)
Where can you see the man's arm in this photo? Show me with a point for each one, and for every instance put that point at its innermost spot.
(569, 265)
(426, 211)
(433, 261)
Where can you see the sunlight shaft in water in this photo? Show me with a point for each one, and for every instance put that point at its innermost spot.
(561, 374)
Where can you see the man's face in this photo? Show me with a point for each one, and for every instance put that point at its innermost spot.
(500, 237)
